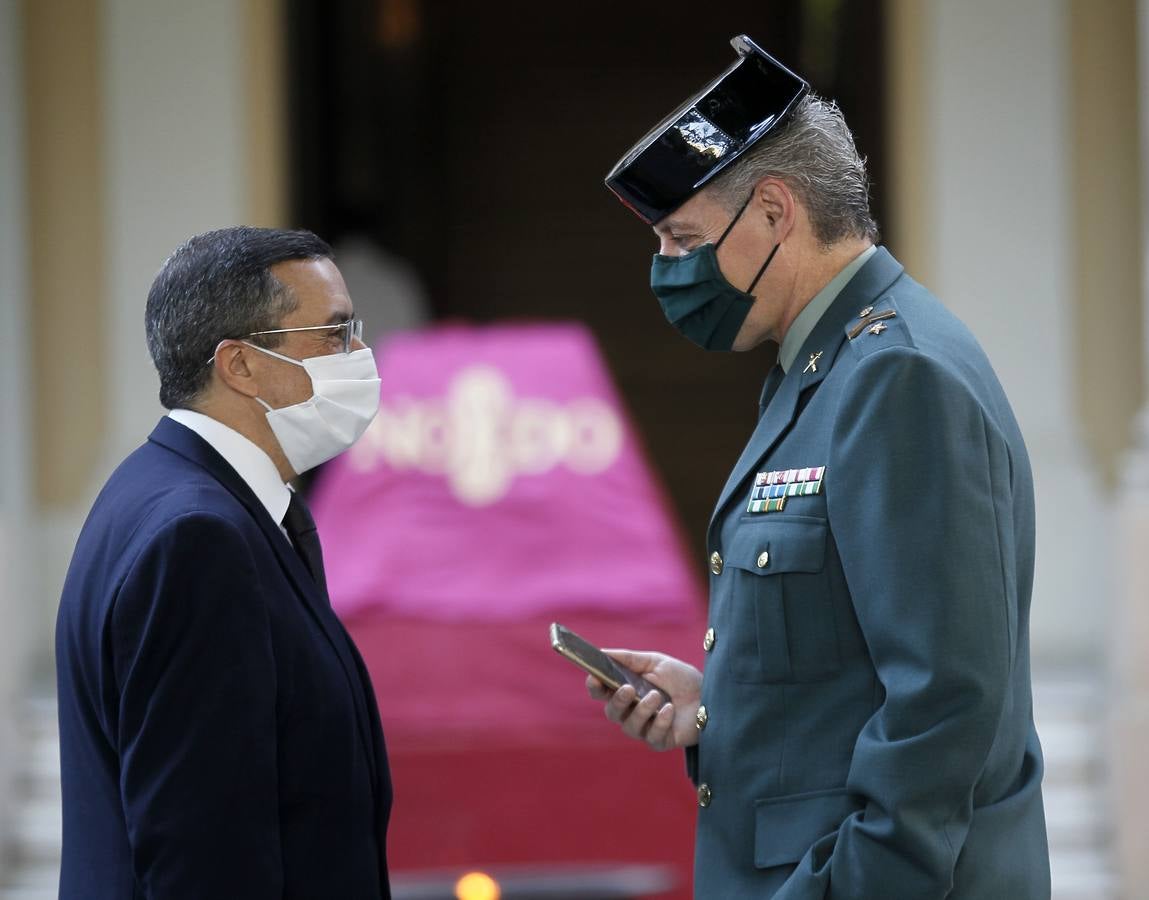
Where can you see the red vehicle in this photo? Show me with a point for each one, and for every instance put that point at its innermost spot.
(501, 488)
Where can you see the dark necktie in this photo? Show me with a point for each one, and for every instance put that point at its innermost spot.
(304, 535)
(768, 389)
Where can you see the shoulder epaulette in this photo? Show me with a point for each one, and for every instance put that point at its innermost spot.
(877, 326)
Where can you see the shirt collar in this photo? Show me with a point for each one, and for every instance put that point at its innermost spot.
(813, 311)
(251, 463)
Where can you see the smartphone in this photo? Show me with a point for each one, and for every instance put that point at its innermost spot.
(591, 659)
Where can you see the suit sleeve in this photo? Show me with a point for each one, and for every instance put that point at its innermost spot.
(918, 475)
(196, 682)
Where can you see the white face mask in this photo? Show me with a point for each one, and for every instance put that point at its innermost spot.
(345, 399)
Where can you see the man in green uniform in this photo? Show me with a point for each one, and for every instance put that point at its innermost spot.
(864, 725)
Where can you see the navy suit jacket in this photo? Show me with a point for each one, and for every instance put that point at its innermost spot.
(870, 730)
(218, 731)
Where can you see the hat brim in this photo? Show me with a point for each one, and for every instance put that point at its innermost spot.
(707, 133)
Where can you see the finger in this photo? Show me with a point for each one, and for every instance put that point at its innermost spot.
(659, 730)
(618, 707)
(656, 708)
(596, 688)
(638, 720)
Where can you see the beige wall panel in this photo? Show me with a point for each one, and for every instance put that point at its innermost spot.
(62, 69)
(266, 101)
(907, 76)
(1106, 225)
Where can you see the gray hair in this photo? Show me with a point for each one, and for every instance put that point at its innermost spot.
(814, 154)
(215, 286)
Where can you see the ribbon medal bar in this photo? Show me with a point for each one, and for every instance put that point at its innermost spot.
(771, 489)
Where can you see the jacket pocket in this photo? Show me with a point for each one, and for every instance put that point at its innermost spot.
(786, 827)
(781, 604)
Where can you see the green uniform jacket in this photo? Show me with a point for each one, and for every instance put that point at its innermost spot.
(867, 728)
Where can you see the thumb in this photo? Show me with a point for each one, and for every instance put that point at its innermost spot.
(640, 663)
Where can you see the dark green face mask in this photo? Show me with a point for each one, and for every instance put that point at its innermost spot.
(696, 297)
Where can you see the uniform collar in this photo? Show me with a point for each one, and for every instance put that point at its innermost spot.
(251, 463)
(814, 362)
(813, 311)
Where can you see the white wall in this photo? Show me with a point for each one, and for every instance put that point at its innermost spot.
(1129, 713)
(175, 156)
(998, 96)
(16, 643)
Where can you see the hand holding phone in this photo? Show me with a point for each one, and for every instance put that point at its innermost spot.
(591, 659)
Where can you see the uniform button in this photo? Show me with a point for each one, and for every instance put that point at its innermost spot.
(704, 795)
(716, 563)
(763, 559)
(708, 641)
(701, 717)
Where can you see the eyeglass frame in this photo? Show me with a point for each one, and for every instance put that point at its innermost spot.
(352, 331)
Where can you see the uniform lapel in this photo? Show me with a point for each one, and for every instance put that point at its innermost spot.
(774, 421)
(812, 364)
(187, 443)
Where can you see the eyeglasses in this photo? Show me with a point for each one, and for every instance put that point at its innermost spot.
(352, 331)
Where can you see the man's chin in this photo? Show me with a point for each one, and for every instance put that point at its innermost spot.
(747, 339)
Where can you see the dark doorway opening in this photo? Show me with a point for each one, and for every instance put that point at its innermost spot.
(473, 139)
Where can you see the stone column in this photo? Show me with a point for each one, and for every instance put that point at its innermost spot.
(998, 167)
(15, 495)
(1130, 657)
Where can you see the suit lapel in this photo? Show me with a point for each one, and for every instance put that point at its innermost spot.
(812, 364)
(191, 446)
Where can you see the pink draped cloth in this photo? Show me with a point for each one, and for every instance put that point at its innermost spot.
(502, 479)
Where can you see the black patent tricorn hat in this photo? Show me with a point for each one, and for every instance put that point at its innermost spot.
(707, 133)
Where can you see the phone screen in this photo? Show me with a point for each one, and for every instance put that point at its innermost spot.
(591, 659)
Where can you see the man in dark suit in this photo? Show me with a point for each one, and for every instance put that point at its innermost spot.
(218, 730)
(864, 727)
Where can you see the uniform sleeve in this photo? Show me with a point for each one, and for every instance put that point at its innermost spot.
(917, 476)
(195, 676)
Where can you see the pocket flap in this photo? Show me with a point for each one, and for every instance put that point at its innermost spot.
(786, 827)
(780, 544)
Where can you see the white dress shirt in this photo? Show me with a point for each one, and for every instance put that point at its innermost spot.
(249, 461)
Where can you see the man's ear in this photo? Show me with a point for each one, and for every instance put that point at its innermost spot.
(231, 367)
(776, 204)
